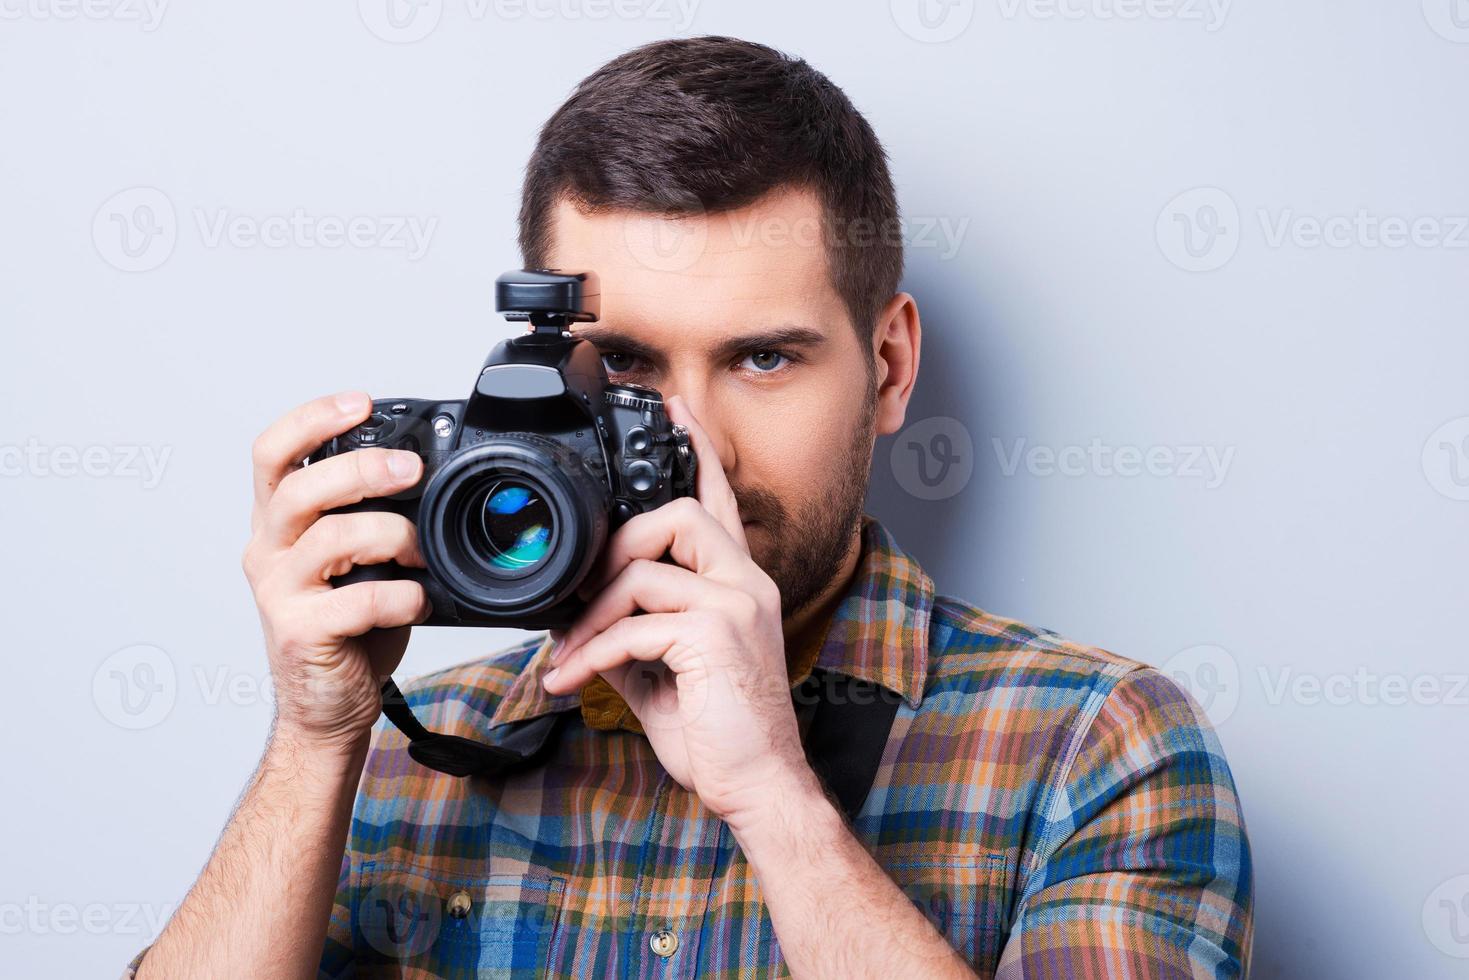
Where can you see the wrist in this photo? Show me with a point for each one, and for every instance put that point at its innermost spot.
(791, 806)
(310, 753)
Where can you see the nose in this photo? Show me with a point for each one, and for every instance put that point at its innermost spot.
(708, 413)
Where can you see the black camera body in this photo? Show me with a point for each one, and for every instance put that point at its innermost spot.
(526, 478)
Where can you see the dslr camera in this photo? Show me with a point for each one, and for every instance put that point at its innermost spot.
(525, 479)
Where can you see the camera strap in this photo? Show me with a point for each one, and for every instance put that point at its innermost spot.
(846, 722)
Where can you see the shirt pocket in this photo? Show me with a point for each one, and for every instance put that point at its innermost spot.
(413, 922)
(964, 896)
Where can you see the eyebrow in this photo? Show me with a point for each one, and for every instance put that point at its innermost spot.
(609, 338)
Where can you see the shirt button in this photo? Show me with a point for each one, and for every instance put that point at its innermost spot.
(663, 942)
(459, 904)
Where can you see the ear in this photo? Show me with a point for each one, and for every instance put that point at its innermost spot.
(895, 348)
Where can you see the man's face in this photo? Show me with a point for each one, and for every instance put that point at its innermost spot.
(735, 312)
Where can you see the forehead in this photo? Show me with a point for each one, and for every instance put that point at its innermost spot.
(764, 262)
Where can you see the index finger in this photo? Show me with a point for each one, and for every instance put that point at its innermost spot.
(712, 486)
(282, 447)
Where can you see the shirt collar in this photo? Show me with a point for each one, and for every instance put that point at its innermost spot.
(878, 633)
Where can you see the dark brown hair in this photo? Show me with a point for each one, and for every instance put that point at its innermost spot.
(711, 124)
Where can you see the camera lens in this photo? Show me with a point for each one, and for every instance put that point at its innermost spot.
(516, 523)
(511, 525)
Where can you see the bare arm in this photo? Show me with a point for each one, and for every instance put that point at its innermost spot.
(262, 903)
(834, 909)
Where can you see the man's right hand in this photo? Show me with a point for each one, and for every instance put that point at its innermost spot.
(329, 648)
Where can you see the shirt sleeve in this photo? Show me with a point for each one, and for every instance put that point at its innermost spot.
(1143, 863)
(336, 953)
(131, 970)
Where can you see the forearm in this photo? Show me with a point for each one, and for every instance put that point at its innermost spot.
(261, 905)
(835, 911)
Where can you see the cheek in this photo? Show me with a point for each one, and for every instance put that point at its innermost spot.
(788, 448)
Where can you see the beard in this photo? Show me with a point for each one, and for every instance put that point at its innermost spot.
(807, 543)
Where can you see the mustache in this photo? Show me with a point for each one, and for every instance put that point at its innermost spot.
(757, 504)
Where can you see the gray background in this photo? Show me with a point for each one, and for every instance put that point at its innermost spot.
(1130, 280)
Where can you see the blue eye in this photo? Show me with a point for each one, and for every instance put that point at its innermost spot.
(766, 361)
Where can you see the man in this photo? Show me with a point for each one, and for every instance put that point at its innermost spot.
(1039, 808)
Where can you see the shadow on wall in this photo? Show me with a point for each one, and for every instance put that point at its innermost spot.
(930, 484)
(935, 487)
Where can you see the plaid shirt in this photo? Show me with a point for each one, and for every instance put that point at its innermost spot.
(1054, 809)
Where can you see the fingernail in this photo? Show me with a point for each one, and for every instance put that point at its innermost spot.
(401, 464)
(556, 649)
(550, 676)
(352, 402)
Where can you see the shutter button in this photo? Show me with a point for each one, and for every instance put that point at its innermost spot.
(663, 942)
(459, 904)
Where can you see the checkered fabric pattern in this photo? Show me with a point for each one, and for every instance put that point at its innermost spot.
(1056, 810)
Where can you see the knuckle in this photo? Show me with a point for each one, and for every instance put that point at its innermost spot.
(396, 527)
(270, 596)
(332, 533)
(372, 468)
(641, 570)
(744, 608)
(364, 599)
(288, 494)
(262, 451)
